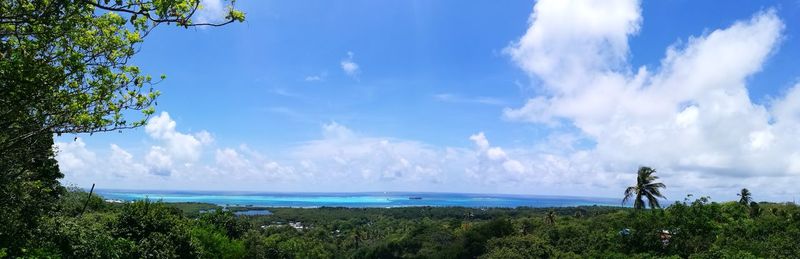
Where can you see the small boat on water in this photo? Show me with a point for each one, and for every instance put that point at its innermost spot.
(415, 198)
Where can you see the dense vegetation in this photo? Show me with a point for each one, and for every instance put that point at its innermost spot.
(696, 229)
(65, 68)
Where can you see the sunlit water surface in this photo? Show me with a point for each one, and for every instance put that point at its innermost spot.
(357, 200)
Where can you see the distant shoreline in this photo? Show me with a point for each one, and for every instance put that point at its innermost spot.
(257, 193)
(358, 200)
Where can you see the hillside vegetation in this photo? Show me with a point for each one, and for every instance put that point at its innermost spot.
(689, 229)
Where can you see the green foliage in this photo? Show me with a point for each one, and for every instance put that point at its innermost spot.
(215, 244)
(474, 240)
(64, 68)
(723, 253)
(192, 209)
(87, 236)
(528, 246)
(755, 209)
(64, 65)
(226, 222)
(73, 201)
(158, 230)
(29, 189)
(689, 229)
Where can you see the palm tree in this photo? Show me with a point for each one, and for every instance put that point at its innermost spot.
(550, 218)
(645, 187)
(745, 197)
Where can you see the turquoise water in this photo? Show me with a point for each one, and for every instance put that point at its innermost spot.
(358, 200)
(253, 212)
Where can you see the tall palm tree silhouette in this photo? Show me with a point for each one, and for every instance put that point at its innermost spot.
(550, 218)
(745, 197)
(645, 188)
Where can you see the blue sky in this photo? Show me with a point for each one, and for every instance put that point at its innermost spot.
(466, 96)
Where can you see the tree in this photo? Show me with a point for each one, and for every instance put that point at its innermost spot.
(745, 197)
(155, 229)
(519, 247)
(550, 218)
(645, 187)
(64, 68)
(29, 189)
(755, 209)
(227, 222)
(215, 244)
(64, 65)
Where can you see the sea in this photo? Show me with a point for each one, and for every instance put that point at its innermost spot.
(357, 200)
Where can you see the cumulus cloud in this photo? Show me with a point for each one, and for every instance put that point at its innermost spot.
(83, 166)
(692, 115)
(123, 164)
(245, 164)
(349, 66)
(211, 11)
(341, 153)
(341, 159)
(493, 160)
(566, 39)
(480, 140)
(175, 147)
(74, 156)
(173, 152)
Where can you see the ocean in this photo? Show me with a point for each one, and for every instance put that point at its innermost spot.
(358, 200)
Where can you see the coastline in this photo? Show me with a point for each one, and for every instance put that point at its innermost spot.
(360, 200)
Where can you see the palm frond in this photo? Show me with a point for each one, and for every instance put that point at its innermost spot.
(629, 193)
(655, 192)
(646, 188)
(653, 201)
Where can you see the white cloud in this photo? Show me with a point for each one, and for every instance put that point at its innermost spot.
(349, 66)
(204, 137)
(534, 110)
(493, 163)
(692, 115)
(334, 130)
(568, 38)
(159, 161)
(122, 164)
(343, 154)
(313, 78)
(480, 140)
(177, 145)
(453, 98)
(212, 11)
(340, 160)
(248, 165)
(317, 78)
(496, 153)
(229, 158)
(174, 152)
(73, 156)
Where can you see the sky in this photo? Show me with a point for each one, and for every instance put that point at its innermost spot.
(549, 97)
